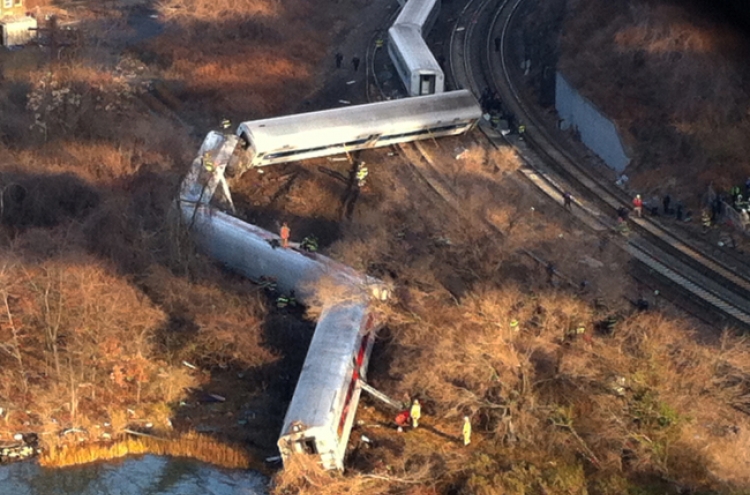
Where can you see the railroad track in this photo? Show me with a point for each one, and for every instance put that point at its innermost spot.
(714, 285)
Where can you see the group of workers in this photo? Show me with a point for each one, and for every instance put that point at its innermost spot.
(740, 202)
(492, 105)
(339, 58)
(309, 243)
(639, 205)
(361, 174)
(268, 284)
(414, 413)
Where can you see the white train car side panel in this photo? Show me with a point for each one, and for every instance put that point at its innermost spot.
(414, 62)
(327, 132)
(420, 13)
(246, 249)
(320, 417)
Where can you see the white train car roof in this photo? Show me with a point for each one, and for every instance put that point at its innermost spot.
(317, 398)
(415, 12)
(413, 49)
(339, 125)
(246, 249)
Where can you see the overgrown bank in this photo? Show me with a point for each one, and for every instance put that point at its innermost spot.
(648, 404)
(109, 317)
(673, 76)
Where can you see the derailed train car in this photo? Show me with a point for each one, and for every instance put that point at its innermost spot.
(320, 416)
(252, 252)
(414, 62)
(420, 13)
(342, 130)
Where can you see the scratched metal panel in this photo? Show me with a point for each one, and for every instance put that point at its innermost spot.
(247, 249)
(421, 13)
(331, 127)
(321, 389)
(412, 48)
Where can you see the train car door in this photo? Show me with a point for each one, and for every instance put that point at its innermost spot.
(426, 84)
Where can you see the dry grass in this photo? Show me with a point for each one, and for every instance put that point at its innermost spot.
(192, 445)
(219, 10)
(547, 409)
(216, 51)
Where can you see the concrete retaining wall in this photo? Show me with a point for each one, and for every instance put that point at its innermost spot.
(597, 131)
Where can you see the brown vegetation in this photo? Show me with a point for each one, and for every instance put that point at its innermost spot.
(219, 50)
(191, 445)
(103, 297)
(673, 77)
(653, 406)
(108, 315)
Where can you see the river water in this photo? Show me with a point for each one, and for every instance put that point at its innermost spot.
(146, 475)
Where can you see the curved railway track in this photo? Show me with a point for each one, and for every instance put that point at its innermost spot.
(706, 283)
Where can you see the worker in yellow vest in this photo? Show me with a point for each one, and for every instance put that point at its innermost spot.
(362, 174)
(415, 413)
(467, 431)
(208, 164)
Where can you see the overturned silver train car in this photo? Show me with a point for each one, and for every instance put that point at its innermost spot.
(320, 416)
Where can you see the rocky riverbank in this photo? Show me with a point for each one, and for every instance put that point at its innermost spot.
(24, 446)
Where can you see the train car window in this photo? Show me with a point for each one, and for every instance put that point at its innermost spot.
(307, 446)
(426, 84)
(245, 142)
(400, 64)
(450, 127)
(291, 153)
(351, 144)
(406, 134)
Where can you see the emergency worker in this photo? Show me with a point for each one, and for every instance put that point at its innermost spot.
(284, 234)
(638, 205)
(208, 163)
(568, 200)
(415, 413)
(309, 243)
(467, 431)
(580, 329)
(402, 419)
(610, 324)
(362, 174)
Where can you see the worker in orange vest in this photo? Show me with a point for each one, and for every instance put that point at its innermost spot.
(402, 419)
(284, 234)
(638, 205)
